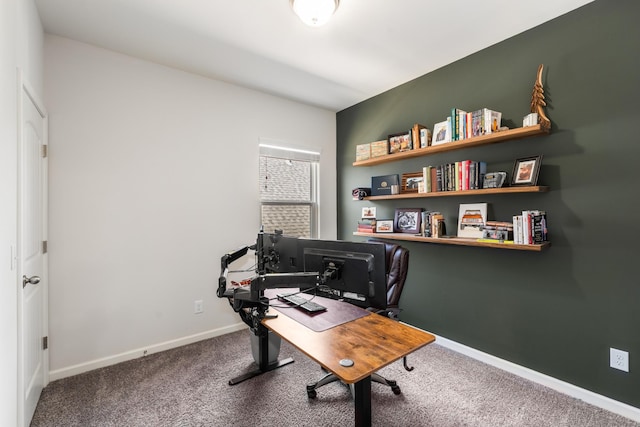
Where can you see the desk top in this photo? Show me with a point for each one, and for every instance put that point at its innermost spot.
(371, 341)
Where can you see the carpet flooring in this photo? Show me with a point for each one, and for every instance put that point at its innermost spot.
(188, 387)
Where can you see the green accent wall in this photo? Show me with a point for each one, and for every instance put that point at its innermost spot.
(559, 311)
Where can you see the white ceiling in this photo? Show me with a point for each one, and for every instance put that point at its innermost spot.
(368, 47)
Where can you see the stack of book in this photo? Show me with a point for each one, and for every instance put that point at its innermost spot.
(455, 176)
(530, 228)
(367, 226)
(497, 231)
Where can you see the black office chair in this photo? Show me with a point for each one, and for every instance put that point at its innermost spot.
(397, 265)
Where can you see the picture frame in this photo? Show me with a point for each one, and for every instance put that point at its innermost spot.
(526, 170)
(368, 212)
(384, 226)
(410, 182)
(441, 133)
(471, 220)
(407, 220)
(400, 142)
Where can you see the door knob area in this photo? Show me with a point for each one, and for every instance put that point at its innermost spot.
(34, 280)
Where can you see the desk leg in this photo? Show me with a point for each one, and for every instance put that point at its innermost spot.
(263, 358)
(362, 401)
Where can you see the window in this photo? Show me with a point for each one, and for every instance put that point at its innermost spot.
(288, 190)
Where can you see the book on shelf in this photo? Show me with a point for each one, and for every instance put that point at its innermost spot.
(504, 242)
(530, 228)
(367, 226)
(454, 176)
(379, 148)
(420, 139)
(491, 121)
(363, 152)
(427, 176)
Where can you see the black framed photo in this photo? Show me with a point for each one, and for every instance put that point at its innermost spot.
(525, 171)
(407, 220)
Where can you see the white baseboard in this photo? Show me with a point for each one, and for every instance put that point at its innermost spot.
(140, 352)
(587, 396)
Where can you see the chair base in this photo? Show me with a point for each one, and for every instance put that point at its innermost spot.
(330, 378)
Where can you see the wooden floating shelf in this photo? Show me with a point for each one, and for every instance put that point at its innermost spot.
(484, 191)
(477, 141)
(454, 241)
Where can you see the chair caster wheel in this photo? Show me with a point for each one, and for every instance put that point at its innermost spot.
(396, 390)
(311, 391)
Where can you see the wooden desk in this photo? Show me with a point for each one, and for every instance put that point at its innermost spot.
(372, 342)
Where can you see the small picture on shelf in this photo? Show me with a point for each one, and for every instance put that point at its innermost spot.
(441, 133)
(384, 226)
(407, 220)
(471, 220)
(525, 171)
(400, 142)
(411, 182)
(369, 212)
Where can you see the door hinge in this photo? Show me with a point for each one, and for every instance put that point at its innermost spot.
(45, 343)
(45, 246)
(45, 150)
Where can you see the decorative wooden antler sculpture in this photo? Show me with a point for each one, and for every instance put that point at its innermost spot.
(538, 103)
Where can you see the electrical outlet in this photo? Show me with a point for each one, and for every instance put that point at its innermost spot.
(198, 306)
(619, 359)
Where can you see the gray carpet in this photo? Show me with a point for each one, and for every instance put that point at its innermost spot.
(188, 386)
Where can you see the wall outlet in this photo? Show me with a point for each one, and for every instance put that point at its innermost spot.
(619, 359)
(198, 306)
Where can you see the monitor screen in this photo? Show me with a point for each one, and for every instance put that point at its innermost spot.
(353, 271)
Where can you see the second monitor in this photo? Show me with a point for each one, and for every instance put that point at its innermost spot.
(352, 271)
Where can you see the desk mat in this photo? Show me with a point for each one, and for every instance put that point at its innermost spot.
(337, 312)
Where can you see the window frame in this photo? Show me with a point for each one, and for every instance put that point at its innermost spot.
(279, 151)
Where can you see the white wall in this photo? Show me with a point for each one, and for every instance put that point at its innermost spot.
(20, 47)
(153, 177)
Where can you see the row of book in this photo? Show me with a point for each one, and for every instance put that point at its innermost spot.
(454, 176)
(475, 123)
(432, 224)
(530, 227)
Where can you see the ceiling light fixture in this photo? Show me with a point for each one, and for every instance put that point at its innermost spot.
(314, 12)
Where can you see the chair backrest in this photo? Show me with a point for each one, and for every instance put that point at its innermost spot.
(397, 263)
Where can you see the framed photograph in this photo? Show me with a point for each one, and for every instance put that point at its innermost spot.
(384, 226)
(471, 220)
(400, 142)
(525, 171)
(369, 213)
(441, 133)
(407, 220)
(411, 182)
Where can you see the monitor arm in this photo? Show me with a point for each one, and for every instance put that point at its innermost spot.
(249, 301)
(225, 261)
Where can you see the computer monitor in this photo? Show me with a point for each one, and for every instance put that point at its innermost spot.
(352, 271)
(279, 253)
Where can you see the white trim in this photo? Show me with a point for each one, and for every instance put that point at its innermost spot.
(587, 396)
(140, 352)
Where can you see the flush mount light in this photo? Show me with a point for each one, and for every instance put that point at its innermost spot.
(314, 12)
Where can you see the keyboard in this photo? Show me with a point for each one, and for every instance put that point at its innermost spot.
(301, 302)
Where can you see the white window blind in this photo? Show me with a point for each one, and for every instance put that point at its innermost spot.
(288, 190)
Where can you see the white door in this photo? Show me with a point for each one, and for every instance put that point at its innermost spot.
(32, 292)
